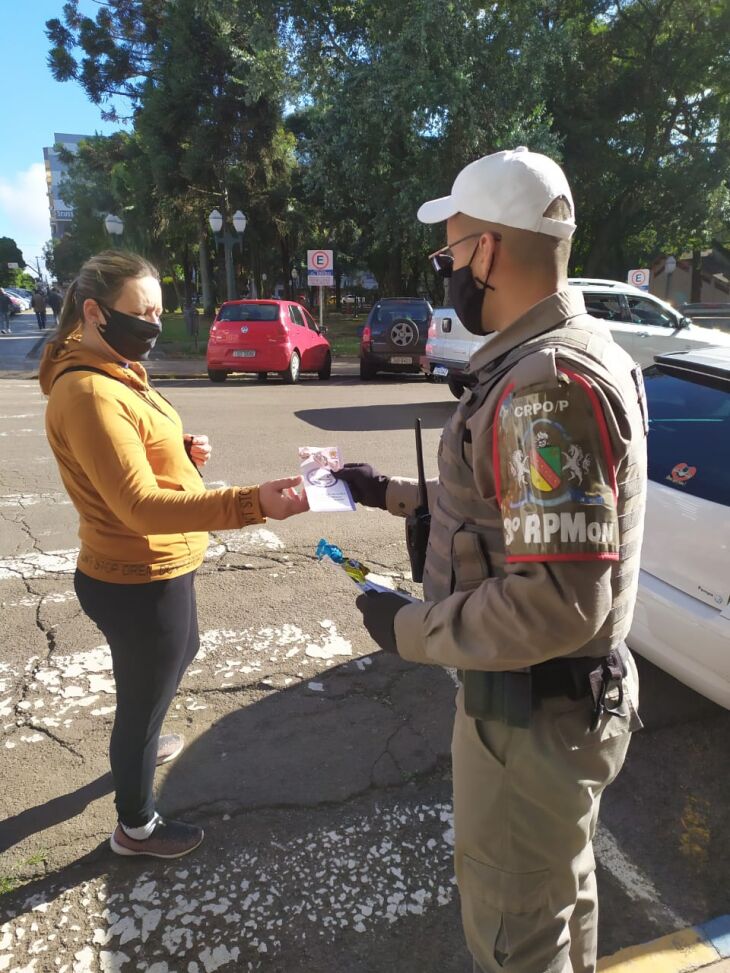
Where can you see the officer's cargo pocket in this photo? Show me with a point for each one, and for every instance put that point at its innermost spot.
(504, 913)
(470, 560)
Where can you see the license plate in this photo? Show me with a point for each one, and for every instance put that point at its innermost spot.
(244, 354)
(441, 371)
(401, 361)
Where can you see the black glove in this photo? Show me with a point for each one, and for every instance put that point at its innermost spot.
(367, 486)
(378, 616)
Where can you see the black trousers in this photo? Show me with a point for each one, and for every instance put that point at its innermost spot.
(152, 631)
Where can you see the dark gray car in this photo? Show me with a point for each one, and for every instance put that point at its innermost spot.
(394, 336)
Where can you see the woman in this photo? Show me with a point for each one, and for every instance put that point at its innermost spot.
(144, 511)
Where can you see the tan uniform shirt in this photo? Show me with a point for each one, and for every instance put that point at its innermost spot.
(545, 458)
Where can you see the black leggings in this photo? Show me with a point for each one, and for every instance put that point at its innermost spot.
(152, 631)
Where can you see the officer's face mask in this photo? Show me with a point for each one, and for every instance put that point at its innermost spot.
(466, 292)
(132, 338)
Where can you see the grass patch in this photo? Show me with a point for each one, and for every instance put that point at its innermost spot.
(8, 883)
(174, 342)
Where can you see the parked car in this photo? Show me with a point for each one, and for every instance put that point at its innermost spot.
(267, 336)
(642, 324)
(449, 346)
(20, 296)
(682, 618)
(394, 336)
(17, 304)
(708, 315)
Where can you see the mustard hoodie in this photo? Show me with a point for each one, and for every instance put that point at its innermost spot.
(119, 445)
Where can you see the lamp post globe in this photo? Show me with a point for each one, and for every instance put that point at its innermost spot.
(239, 221)
(113, 225)
(216, 221)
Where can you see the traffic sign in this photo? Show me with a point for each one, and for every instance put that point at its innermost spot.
(320, 260)
(320, 278)
(640, 279)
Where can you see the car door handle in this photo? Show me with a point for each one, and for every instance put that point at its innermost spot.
(642, 334)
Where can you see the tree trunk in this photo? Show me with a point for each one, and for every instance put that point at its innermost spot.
(696, 286)
(208, 304)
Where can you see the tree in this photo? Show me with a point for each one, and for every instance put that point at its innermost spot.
(9, 253)
(398, 99)
(637, 92)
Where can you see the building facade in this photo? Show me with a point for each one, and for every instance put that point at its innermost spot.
(61, 212)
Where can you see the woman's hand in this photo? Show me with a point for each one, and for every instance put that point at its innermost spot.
(279, 499)
(199, 449)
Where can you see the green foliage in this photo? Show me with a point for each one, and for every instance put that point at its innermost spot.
(9, 253)
(329, 123)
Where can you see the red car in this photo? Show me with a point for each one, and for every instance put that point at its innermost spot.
(267, 336)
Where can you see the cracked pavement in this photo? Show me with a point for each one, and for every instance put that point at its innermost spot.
(319, 768)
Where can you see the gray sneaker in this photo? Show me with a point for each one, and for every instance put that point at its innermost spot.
(169, 746)
(170, 839)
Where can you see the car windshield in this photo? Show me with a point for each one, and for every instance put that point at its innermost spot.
(249, 312)
(388, 313)
(689, 435)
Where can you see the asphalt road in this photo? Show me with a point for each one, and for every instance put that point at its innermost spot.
(319, 768)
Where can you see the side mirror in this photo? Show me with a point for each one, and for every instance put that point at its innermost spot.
(685, 321)
(323, 329)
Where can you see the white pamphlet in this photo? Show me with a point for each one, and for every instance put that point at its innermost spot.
(325, 493)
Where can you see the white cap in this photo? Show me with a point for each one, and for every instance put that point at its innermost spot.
(512, 188)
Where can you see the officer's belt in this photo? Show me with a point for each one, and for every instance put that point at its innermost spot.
(511, 696)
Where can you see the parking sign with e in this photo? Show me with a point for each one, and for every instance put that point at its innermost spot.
(640, 278)
(319, 260)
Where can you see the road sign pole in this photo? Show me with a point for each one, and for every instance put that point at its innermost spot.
(321, 307)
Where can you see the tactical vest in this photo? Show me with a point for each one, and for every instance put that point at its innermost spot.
(466, 544)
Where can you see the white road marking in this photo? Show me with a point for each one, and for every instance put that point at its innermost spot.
(372, 871)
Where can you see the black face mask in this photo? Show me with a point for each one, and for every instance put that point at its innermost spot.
(132, 338)
(467, 297)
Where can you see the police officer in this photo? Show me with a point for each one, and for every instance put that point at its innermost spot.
(531, 569)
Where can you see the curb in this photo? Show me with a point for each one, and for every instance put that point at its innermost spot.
(683, 951)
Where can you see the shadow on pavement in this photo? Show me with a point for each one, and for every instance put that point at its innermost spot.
(320, 802)
(433, 415)
(59, 809)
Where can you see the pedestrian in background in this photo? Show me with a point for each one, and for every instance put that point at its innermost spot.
(531, 570)
(133, 477)
(54, 302)
(6, 306)
(38, 303)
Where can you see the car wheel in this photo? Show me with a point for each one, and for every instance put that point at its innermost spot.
(456, 387)
(261, 376)
(326, 370)
(216, 376)
(367, 372)
(291, 374)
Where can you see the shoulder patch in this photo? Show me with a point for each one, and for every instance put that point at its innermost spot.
(555, 474)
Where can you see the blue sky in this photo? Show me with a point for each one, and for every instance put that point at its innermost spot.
(32, 108)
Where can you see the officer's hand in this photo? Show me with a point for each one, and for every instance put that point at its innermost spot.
(378, 616)
(280, 499)
(367, 486)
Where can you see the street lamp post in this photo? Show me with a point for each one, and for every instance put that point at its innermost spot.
(229, 240)
(294, 281)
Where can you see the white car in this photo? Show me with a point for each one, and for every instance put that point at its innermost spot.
(682, 617)
(642, 324)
